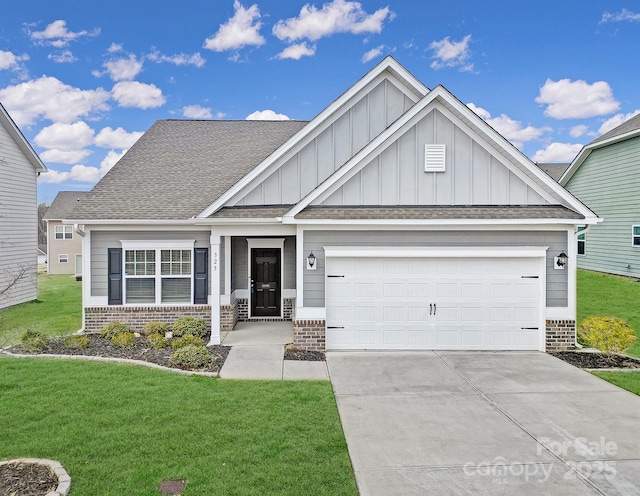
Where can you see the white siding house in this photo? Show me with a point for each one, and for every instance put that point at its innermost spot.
(19, 168)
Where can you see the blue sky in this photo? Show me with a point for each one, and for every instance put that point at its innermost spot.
(83, 80)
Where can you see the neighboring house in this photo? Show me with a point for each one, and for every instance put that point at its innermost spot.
(19, 169)
(395, 219)
(42, 254)
(64, 246)
(606, 176)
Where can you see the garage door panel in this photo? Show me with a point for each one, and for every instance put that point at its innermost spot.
(478, 303)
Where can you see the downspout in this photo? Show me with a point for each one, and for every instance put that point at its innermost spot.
(576, 233)
(76, 228)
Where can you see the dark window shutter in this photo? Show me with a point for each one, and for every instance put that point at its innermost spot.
(201, 276)
(115, 276)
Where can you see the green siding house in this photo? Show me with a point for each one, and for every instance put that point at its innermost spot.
(606, 176)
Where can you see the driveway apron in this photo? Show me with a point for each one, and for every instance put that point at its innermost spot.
(498, 423)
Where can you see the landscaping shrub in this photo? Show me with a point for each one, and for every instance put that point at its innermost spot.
(186, 340)
(189, 325)
(33, 340)
(191, 357)
(608, 334)
(76, 342)
(157, 341)
(155, 327)
(124, 339)
(112, 329)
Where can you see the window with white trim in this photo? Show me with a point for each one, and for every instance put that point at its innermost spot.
(63, 232)
(582, 241)
(159, 275)
(63, 258)
(635, 236)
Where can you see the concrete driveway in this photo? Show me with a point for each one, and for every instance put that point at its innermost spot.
(473, 423)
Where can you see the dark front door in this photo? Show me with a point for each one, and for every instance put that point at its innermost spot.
(265, 282)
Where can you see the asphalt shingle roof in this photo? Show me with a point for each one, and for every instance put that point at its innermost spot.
(626, 127)
(179, 167)
(554, 170)
(63, 204)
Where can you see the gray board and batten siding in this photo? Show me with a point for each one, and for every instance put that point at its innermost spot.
(609, 181)
(314, 241)
(396, 176)
(332, 148)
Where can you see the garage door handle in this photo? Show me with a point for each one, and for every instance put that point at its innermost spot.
(430, 308)
(529, 328)
(434, 309)
(334, 276)
(335, 327)
(529, 277)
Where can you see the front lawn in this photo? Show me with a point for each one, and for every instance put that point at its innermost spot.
(121, 429)
(57, 311)
(626, 380)
(610, 296)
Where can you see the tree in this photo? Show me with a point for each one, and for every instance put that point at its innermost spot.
(42, 224)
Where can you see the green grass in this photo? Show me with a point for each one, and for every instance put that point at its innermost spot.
(57, 311)
(121, 429)
(626, 380)
(610, 296)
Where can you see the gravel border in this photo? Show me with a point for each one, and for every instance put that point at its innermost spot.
(64, 479)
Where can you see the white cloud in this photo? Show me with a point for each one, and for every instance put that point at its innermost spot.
(372, 54)
(577, 131)
(449, 53)
(615, 121)
(10, 61)
(266, 115)
(110, 160)
(116, 138)
(243, 29)
(566, 99)
(195, 59)
(297, 51)
(623, 15)
(196, 112)
(82, 173)
(64, 156)
(123, 69)
(557, 153)
(49, 98)
(115, 48)
(65, 136)
(64, 57)
(56, 34)
(338, 16)
(138, 95)
(510, 128)
(479, 110)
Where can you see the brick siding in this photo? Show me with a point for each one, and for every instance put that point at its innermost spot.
(309, 335)
(561, 335)
(136, 317)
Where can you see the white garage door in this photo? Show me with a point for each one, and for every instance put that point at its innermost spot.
(433, 303)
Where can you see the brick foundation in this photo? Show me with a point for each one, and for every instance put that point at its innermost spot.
(309, 335)
(95, 318)
(560, 335)
(242, 309)
(228, 317)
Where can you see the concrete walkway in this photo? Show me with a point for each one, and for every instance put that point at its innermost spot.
(458, 423)
(257, 352)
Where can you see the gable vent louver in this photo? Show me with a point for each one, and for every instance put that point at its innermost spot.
(434, 158)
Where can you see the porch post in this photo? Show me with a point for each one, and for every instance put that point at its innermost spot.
(215, 289)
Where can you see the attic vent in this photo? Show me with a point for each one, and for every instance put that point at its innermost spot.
(434, 158)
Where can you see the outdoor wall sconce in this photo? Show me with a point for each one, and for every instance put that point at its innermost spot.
(311, 262)
(560, 261)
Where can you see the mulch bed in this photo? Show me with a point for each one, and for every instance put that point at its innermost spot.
(291, 353)
(101, 347)
(595, 360)
(26, 479)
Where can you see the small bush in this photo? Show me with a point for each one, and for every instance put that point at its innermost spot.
(191, 357)
(155, 327)
(157, 341)
(186, 340)
(124, 339)
(33, 340)
(189, 325)
(76, 342)
(112, 329)
(608, 334)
